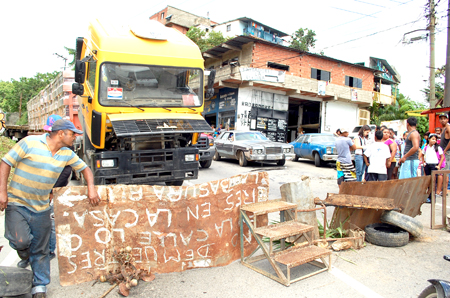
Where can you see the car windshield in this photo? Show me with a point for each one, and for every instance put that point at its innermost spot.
(323, 139)
(150, 86)
(250, 136)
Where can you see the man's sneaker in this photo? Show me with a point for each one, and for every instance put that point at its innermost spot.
(23, 263)
(52, 256)
(39, 295)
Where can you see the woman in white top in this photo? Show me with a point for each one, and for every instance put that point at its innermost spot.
(433, 157)
(362, 140)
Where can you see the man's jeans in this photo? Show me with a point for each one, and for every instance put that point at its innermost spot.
(360, 166)
(31, 230)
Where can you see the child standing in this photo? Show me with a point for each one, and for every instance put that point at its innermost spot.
(434, 159)
(377, 158)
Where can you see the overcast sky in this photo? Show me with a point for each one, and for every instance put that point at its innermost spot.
(32, 31)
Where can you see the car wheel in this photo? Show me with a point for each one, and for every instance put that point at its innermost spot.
(216, 156)
(281, 162)
(296, 157)
(429, 292)
(174, 183)
(242, 159)
(317, 161)
(206, 163)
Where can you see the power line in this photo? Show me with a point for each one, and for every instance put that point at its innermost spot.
(370, 35)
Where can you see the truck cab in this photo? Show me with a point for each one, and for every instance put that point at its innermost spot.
(141, 93)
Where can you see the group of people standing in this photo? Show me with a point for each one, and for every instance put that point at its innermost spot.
(383, 156)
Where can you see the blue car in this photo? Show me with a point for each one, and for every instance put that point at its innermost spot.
(315, 146)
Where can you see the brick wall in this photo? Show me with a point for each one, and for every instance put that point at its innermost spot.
(300, 64)
(157, 16)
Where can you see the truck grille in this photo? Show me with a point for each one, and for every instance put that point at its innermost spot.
(274, 150)
(125, 128)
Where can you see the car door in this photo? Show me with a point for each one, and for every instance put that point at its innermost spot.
(220, 143)
(228, 144)
(306, 147)
(297, 145)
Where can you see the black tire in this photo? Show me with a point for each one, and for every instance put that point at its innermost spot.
(281, 162)
(296, 157)
(317, 161)
(174, 183)
(216, 156)
(206, 163)
(387, 235)
(407, 223)
(428, 292)
(15, 281)
(242, 159)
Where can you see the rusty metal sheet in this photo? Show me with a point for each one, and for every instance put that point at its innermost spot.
(408, 194)
(360, 202)
(169, 228)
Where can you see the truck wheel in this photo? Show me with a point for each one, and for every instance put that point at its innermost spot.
(407, 223)
(216, 156)
(387, 235)
(242, 159)
(281, 162)
(17, 280)
(206, 163)
(317, 161)
(428, 292)
(174, 183)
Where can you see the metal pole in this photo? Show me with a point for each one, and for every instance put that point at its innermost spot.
(447, 67)
(432, 66)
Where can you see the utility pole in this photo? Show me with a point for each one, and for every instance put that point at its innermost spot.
(432, 66)
(447, 66)
(62, 57)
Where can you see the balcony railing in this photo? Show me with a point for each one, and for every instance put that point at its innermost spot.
(383, 99)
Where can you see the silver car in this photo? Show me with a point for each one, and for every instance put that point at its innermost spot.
(251, 146)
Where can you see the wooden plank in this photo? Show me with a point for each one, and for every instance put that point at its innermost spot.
(362, 202)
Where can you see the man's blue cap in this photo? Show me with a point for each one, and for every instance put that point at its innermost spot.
(65, 124)
(50, 120)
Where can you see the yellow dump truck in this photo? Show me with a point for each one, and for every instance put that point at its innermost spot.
(141, 93)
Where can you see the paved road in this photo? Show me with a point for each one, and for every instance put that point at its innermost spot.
(370, 272)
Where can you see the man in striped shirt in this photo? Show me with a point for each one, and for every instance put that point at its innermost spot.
(39, 161)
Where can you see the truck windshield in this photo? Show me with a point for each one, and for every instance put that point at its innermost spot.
(150, 86)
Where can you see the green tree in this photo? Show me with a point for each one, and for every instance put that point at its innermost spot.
(11, 91)
(438, 86)
(397, 111)
(303, 40)
(204, 40)
(71, 53)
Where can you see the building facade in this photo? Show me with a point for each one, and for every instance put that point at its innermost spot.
(282, 91)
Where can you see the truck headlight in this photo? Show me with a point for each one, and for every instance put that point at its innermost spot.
(105, 163)
(191, 157)
(329, 150)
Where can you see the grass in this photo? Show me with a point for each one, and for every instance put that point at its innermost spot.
(5, 145)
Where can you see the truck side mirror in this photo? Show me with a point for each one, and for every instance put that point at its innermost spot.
(80, 71)
(209, 88)
(77, 89)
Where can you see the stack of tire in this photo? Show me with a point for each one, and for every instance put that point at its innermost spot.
(394, 229)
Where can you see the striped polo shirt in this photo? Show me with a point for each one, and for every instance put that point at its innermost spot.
(37, 171)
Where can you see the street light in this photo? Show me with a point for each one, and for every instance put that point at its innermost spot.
(62, 57)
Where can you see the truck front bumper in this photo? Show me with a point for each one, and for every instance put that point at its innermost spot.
(207, 154)
(144, 166)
